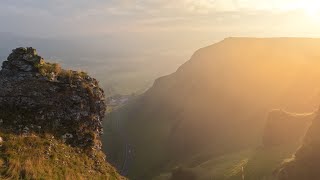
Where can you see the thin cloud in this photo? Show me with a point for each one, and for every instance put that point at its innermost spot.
(115, 16)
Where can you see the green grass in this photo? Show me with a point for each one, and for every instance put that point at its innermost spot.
(44, 157)
(255, 164)
(265, 161)
(227, 166)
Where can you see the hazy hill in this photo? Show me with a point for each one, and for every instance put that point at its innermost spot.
(216, 102)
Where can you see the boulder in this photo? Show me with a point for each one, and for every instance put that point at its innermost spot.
(22, 59)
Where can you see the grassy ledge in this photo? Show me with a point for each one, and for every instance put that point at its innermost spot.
(44, 157)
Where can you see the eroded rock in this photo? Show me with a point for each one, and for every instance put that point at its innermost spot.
(34, 92)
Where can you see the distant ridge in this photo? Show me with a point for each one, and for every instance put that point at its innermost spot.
(220, 95)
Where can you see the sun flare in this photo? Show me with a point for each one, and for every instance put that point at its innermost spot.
(312, 9)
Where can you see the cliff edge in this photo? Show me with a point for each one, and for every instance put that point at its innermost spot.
(50, 121)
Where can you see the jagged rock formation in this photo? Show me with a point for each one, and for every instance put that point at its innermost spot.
(37, 96)
(285, 128)
(50, 121)
(306, 161)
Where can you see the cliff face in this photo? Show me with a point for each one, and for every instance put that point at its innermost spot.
(306, 161)
(36, 96)
(217, 100)
(50, 121)
(285, 128)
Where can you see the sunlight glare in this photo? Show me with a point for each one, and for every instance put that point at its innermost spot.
(312, 9)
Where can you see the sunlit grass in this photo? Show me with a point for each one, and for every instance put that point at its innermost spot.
(34, 157)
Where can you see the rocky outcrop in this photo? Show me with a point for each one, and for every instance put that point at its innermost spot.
(40, 97)
(306, 161)
(285, 128)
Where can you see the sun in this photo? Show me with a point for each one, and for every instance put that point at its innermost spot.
(312, 11)
(312, 8)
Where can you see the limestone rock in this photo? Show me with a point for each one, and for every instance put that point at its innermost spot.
(35, 93)
(22, 59)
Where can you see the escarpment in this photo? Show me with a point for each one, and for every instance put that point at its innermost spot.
(306, 161)
(41, 97)
(217, 101)
(285, 128)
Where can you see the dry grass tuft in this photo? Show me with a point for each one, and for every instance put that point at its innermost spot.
(35, 157)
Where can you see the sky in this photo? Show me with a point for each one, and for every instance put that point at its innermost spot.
(146, 37)
(83, 17)
(160, 24)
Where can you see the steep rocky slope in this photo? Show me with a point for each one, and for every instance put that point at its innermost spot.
(306, 161)
(285, 128)
(50, 121)
(217, 101)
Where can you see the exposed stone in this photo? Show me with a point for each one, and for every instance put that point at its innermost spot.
(52, 100)
(66, 137)
(22, 59)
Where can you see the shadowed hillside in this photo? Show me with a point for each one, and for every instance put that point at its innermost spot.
(305, 163)
(285, 128)
(216, 102)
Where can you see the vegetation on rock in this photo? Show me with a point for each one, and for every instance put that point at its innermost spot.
(46, 157)
(50, 121)
(43, 97)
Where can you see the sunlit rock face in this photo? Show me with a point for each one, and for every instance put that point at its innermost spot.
(36, 97)
(218, 100)
(285, 128)
(306, 161)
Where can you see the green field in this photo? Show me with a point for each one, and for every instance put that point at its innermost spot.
(253, 164)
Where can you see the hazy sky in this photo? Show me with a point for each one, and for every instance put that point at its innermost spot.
(186, 23)
(146, 37)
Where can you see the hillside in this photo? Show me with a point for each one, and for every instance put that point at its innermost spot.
(50, 121)
(285, 128)
(305, 162)
(216, 103)
(46, 157)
